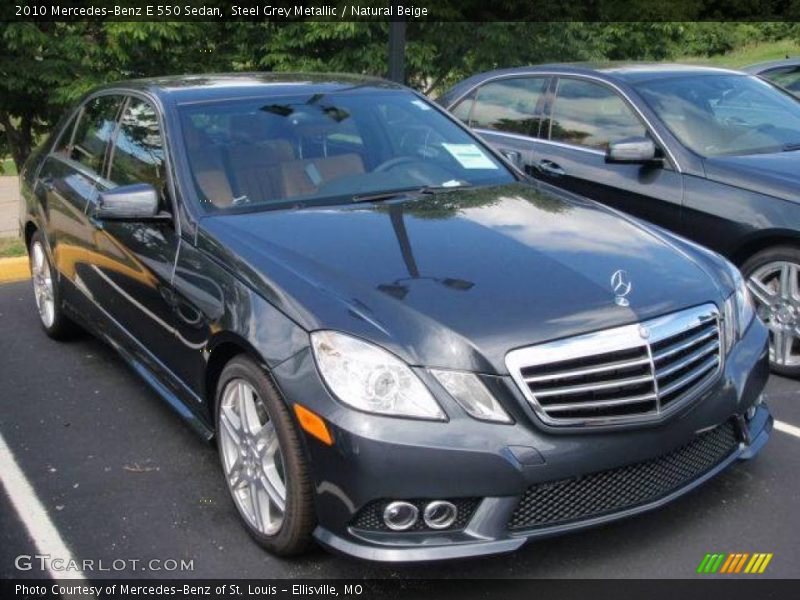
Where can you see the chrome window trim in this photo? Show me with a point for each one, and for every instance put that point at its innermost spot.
(625, 337)
(648, 123)
(540, 141)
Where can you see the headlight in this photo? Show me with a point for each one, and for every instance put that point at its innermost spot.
(371, 379)
(470, 393)
(739, 311)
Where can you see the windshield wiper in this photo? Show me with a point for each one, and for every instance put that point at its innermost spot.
(790, 147)
(425, 189)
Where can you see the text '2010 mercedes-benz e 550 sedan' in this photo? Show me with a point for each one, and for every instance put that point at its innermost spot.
(404, 349)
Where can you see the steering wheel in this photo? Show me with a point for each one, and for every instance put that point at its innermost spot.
(390, 164)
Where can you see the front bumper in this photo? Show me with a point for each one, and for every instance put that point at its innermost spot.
(378, 457)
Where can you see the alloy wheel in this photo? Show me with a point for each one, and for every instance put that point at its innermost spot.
(776, 291)
(252, 457)
(43, 285)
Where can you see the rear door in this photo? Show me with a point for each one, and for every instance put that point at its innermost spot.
(507, 113)
(67, 184)
(583, 117)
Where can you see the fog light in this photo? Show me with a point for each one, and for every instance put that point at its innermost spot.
(400, 516)
(440, 514)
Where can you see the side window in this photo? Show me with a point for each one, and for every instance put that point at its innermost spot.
(512, 105)
(64, 145)
(138, 154)
(463, 109)
(788, 77)
(591, 115)
(94, 131)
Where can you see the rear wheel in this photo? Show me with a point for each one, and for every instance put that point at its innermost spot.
(46, 292)
(262, 459)
(773, 278)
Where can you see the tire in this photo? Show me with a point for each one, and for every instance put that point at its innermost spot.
(288, 463)
(773, 278)
(47, 292)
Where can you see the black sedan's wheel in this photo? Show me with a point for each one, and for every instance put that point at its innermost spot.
(773, 278)
(46, 292)
(262, 459)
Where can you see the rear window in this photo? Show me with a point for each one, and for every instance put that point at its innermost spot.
(94, 131)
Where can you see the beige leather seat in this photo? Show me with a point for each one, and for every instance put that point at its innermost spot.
(254, 155)
(300, 177)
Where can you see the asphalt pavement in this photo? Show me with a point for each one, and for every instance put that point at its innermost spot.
(121, 476)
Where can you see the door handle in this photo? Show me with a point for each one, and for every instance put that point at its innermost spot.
(551, 168)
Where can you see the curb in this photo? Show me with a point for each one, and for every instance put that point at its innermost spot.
(14, 269)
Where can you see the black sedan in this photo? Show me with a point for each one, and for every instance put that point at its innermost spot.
(711, 154)
(404, 349)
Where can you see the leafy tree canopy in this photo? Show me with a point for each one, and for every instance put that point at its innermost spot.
(44, 67)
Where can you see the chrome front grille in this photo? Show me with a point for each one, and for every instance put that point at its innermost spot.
(637, 372)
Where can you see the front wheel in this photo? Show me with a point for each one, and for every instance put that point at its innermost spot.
(262, 459)
(773, 278)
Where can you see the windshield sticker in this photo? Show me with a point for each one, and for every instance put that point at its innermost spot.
(420, 104)
(470, 156)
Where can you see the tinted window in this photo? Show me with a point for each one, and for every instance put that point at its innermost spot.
(328, 148)
(725, 113)
(138, 155)
(788, 77)
(462, 110)
(592, 115)
(512, 105)
(95, 128)
(64, 146)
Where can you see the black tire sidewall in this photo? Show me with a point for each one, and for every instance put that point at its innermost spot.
(752, 264)
(299, 517)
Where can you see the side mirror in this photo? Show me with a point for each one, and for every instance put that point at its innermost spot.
(136, 202)
(632, 150)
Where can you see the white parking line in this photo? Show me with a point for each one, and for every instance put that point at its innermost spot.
(786, 428)
(32, 513)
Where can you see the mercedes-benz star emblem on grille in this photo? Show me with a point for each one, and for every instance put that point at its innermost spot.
(622, 286)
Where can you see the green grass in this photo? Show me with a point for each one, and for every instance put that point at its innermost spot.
(749, 54)
(7, 167)
(11, 247)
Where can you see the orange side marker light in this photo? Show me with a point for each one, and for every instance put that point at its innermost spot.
(313, 424)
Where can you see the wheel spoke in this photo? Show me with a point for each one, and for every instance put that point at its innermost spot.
(247, 411)
(782, 342)
(761, 292)
(231, 427)
(256, 503)
(274, 488)
(236, 473)
(268, 440)
(787, 272)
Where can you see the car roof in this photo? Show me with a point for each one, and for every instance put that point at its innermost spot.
(772, 64)
(217, 86)
(615, 72)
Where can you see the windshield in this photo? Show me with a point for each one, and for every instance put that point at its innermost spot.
(725, 113)
(328, 148)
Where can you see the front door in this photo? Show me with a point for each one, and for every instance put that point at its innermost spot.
(583, 118)
(135, 260)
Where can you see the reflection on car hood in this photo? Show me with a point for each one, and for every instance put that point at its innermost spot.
(776, 174)
(458, 279)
